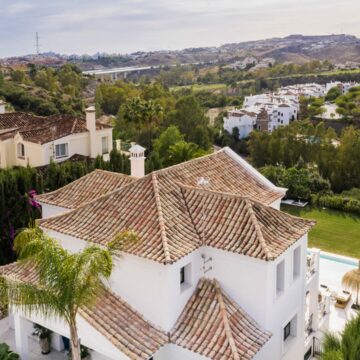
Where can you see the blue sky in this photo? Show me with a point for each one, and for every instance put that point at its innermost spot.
(88, 26)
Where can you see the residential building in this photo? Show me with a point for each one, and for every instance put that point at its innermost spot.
(218, 272)
(343, 86)
(27, 139)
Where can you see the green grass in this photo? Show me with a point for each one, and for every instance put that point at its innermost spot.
(335, 231)
(201, 87)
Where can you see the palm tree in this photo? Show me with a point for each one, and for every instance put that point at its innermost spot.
(66, 281)
(345, 346)
(183, 151)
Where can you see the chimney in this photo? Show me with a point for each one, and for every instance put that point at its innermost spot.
(137, 160)
(2, 107)
(91, 126)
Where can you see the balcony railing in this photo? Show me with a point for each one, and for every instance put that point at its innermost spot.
(311, 265)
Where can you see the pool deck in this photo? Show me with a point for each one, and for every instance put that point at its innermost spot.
(332, 269)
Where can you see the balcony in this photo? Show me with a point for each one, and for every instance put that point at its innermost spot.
(311, 265)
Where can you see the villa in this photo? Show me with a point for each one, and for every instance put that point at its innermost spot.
(27, 139)
(219, 272)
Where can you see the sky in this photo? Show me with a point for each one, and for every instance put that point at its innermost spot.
(123, 26)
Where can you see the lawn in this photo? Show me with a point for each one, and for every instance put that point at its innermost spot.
(201, 87)
(335, 231)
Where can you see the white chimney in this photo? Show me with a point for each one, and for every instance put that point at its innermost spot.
(137, 160)
(2, 107)
(91, 126)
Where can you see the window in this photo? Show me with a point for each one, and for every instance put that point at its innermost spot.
(287, 330)
(182, 275)
(104, 145)
(61, 150)
(185, 277)
(297, 262)
(290, 329)
(21, 150)
(280, 277)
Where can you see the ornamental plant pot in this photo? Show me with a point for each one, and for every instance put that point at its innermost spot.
(45, 345)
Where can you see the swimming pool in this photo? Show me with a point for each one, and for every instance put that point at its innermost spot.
(339, 259)
(332, 268)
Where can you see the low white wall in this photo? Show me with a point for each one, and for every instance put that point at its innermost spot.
(51, 210)
(4, 325)
(174, 352)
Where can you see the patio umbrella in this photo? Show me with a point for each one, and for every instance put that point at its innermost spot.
(351, 280)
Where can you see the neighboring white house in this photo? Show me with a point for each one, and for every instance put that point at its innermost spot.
(218, 271)
(244, 120)
(27, 139)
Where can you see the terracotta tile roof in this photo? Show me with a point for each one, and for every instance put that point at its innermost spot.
(111, 316)
(172, 219)
(20, 271)
(85, 189)
(38, 129)
(124, 327)
(214, 326)
(242, 226)
(224, 174)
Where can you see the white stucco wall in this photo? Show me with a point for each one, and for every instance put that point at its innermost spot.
(51, 210)
(154, 289)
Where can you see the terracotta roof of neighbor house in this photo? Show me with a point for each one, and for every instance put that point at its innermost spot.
(111, 316)
(173, 219)
(16, 120)
(38, 129)
(214, 326)
(85, 189)
(124, 327)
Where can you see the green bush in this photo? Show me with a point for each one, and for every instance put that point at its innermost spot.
(337, 202)
(6, 353)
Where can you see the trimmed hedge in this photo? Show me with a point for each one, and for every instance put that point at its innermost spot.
(337, 202)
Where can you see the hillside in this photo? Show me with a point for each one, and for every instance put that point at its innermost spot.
(294, 48)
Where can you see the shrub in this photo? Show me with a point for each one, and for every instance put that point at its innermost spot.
(6, 353)
(337, 202)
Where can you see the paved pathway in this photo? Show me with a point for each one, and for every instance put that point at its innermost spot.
(8, 337)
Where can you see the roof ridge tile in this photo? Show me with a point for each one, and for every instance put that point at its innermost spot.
(226, 322)
(268, 254)
(161, 219)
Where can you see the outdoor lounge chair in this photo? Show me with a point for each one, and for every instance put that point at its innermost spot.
(343, 299)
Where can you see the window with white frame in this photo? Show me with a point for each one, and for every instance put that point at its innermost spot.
(280, 277)
(61, 150)
(290, 329)
(104, 144)
(185, 277)
(297, 262)
(21, 150)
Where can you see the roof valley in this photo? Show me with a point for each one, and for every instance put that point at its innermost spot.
(161, 219)
(198, 232)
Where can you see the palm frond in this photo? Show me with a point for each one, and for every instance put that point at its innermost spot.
(121, 241)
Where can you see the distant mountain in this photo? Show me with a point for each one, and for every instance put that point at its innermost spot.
(301, 48)
(294, 48)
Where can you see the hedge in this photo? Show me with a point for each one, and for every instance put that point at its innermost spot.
(337, 202)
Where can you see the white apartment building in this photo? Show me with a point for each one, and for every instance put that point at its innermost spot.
(27, 139)
(281, 109)
(343, 86)
(219, 272)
